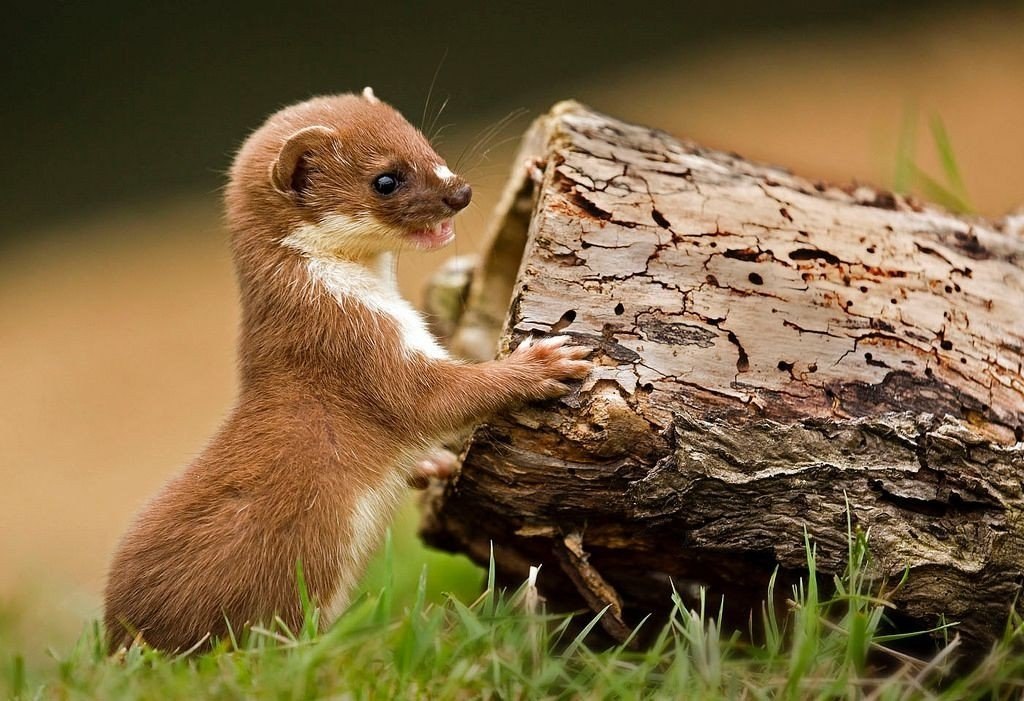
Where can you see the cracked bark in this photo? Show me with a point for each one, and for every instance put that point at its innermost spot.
(768, 351)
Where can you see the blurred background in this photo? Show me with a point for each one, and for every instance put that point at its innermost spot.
(117, 302)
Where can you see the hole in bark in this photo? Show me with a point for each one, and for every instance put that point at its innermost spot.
(1018, 433)
(813, 367)
(785, 367)
(882, 200)
(743, 361)
(814, 254)
(619, 309)
(892, 301)
(928, 372)
(713, 244)
(755, 278)
(660, 219)
(946, 345)
(863, 288)
(648, 387)
(968, 242)
(567, 318)
(949, 289)
(591, 208)
(907, 503)
(963, 361)
(868, 356)
(748, 254)
(711, 280)
(870, 249)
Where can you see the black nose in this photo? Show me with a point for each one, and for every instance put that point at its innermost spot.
(460, 198)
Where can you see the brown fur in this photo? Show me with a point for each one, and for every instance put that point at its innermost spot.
(331, 405)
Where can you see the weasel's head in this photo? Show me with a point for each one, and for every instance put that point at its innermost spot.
(344, 175)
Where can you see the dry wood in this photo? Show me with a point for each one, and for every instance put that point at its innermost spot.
(769, 350)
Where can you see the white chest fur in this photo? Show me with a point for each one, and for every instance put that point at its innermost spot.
(376, 289)
(371, 515)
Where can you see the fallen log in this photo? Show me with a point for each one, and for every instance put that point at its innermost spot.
(773, 355)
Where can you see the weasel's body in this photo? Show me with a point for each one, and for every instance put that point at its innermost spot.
(343, 389)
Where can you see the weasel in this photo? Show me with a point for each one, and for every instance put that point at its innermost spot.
(343, 391)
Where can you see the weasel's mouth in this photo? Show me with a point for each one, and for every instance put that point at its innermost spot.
(435, 236)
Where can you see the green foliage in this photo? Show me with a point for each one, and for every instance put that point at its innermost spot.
(505, 645)
(952, 193)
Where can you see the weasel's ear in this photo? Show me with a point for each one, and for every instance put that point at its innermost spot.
(288, 172)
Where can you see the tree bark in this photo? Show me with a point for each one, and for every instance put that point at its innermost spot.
(772, 354)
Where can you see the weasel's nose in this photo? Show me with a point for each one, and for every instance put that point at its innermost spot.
(460, 198)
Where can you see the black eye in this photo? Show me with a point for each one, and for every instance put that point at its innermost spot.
(385, 183)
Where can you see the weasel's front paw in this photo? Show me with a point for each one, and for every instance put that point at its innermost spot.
(548, 362)
(437, 464)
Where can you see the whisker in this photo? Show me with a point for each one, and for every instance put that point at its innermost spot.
(437, 116)
(489, 133)
(430, 90)
(437, 138)
(485, 155)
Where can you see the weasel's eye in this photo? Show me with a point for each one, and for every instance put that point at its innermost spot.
(386, 183)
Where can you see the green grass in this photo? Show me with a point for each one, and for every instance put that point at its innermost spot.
(950, 191)
(403, 638)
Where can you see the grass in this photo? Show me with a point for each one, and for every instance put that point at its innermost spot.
(950, 192)
(404, 638)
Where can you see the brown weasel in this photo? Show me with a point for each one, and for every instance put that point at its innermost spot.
(342, 389)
